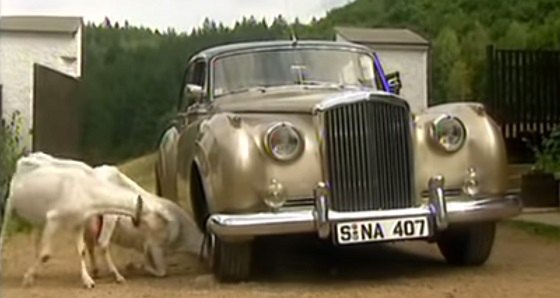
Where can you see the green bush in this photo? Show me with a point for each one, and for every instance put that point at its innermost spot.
(11, 148)
(547, 155)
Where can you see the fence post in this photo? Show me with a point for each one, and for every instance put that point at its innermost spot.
(490, 83)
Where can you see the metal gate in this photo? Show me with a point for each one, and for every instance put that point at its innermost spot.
(523, 96)
(57, 113)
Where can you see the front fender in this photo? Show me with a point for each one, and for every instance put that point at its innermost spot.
(166, 161)
(484, 150)
(236, 170)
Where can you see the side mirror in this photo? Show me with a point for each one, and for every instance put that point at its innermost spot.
(395, 83)
(195, 92)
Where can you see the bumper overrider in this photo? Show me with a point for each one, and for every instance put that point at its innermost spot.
(323, 221)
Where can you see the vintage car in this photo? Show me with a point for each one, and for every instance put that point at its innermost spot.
(308, 137)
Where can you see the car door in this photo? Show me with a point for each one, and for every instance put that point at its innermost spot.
(195, 109)
(187, 112)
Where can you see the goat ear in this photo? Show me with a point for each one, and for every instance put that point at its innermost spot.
(138, 213)
(166, 216)
(155, 220)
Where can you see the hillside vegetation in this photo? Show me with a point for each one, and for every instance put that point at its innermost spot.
(132, 75)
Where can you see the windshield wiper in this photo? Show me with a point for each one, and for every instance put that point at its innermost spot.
(320, 83)
(242, 90)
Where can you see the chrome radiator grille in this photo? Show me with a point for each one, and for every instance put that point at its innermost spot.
(369, 156)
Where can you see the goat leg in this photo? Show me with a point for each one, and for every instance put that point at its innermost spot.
(109, 260)
(81, 246)
(155, 261)
(44, 250)
(90, 246)
(110, 223)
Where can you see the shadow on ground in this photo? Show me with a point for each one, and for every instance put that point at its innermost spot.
(307, 260)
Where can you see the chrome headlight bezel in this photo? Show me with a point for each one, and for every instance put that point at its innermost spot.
(293, 132)
(441, 129)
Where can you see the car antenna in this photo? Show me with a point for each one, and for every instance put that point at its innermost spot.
(293, 35)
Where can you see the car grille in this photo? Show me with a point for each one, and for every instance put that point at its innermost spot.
(369, 158)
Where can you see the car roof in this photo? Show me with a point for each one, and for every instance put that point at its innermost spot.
(214, 51)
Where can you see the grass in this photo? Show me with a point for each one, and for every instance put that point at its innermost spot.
(141, 170)
(538, 229)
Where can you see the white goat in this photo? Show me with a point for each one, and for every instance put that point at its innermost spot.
(61, 194)
(178, 235)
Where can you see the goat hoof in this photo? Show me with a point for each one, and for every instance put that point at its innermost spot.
(89, 283)
(133, 267)
(28, 280)
(120, 279)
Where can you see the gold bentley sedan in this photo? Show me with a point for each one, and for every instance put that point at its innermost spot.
(311, 137)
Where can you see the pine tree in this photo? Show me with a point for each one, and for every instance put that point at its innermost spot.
(446, 52)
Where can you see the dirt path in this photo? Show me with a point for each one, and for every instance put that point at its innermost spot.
(522, 265)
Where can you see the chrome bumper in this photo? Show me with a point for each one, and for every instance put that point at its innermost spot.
(321, 219)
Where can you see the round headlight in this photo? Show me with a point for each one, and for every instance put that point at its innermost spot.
(449, 133)
(283, 142)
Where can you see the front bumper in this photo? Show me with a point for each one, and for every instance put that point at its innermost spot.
(321, 219)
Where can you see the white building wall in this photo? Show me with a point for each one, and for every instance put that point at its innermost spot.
(412, 64)
(18, 52)
(413, 68)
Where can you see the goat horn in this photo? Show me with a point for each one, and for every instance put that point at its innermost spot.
(139, 208)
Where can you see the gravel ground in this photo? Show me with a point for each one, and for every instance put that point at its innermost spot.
(522, 265)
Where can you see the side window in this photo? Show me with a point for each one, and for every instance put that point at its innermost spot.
(187, 78)
(195, 75)
(199, 74)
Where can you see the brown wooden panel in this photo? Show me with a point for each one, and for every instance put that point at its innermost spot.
(57, 113)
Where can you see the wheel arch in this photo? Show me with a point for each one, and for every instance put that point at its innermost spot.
(199, 194)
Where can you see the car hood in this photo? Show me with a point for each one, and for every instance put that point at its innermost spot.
(294, 100)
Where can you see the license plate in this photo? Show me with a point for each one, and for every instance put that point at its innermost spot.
(382, 230)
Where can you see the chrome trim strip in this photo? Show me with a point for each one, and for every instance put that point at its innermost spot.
(354, 97)
(322, 211)
(450, 192)
(488, 209)
(492, 208)
(260, 224)
(320, 128)
(437, 202)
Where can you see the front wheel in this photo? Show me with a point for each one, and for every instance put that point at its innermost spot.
(230, 261)
(469, 245)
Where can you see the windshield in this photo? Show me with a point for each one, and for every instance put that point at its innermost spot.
(242, 72)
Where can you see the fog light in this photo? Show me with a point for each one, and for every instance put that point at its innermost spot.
(276, 196)
(471, 186)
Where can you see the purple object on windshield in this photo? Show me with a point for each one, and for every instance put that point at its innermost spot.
(381, 74)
